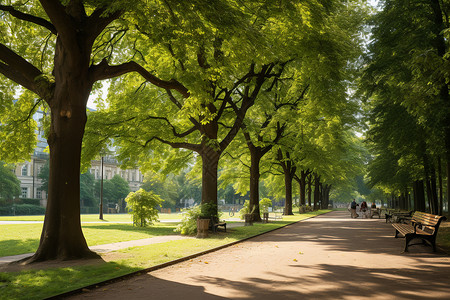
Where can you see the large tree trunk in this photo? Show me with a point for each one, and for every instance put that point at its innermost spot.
(419, 195)
(302, 183)
(256, 155)
(62, 237)
(316, 191)
(210, 161)
(288, 189)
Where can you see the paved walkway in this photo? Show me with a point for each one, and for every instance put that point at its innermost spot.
(327, 257)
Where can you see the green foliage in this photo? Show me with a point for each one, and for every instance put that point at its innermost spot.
(87, 190)
(9, 184)
(114, 189)
(22, 210)
(245, 210)
(143, 206)
(264, 204)
(188, 225)
(44, 175)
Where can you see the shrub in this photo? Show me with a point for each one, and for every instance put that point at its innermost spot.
(264, 204)
(142, 205)
(188, 225)
(245, 209)
(28, 210)
(31, 201)
(304, 208)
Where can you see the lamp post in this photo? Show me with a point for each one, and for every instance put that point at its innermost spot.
(101, 192)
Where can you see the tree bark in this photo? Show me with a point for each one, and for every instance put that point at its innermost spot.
(62, 237)
(210, 162)
(255, 155)
(309, 189)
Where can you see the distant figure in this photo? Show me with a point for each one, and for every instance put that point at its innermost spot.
(374, 210)
(117, 208)
(353, 206)
(364, 208)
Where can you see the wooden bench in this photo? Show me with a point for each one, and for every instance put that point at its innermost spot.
(422, 226)
(396, 215)
(375, 211)
(215, 223)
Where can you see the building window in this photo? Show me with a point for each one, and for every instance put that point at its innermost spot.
(24, 192)
(25, 170)
(39, 194)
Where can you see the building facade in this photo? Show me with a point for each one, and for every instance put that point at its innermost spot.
(28, 171)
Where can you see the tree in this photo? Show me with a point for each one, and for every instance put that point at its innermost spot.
(9, 184)
(87, 188)
(142, 205)
(78, 45)
(407, 72)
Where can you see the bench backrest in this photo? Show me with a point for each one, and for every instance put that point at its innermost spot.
(429, 222)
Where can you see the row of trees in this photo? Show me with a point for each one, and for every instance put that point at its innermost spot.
(188, 79)
(406, 85)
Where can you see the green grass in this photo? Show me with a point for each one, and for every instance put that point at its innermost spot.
(38, 284)
(93, 218)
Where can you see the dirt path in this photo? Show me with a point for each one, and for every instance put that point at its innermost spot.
(330, 256)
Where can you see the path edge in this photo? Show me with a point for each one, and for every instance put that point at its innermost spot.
(167, 264)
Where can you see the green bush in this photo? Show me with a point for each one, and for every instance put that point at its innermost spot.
(304, 209)
(22, 210)
(245, 209)
(31, 201)
(264, 205)
(188, 225)
(142, 205)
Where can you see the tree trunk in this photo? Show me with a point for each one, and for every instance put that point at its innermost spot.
(309, 189)
(441, 200)
(302, 188)
(288, 189)
(255, 154)
(210, 161)
(316, 191)
(62, 237)
(419, 196)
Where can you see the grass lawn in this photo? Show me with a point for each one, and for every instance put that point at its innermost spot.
(43, 283)
(107, 218)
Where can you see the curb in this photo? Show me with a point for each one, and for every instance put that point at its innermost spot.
(166, 264)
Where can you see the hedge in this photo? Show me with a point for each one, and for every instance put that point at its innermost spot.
(22, 210)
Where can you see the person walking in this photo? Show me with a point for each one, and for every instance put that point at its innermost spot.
(353, 206)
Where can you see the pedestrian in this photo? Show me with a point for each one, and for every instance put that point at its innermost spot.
(353, 206)
(363, 208)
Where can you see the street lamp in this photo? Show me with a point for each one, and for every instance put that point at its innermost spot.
(101, 192)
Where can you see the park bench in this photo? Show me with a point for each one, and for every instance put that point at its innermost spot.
(375, 211)
(215, 223)
(423, 226)
(396, 215)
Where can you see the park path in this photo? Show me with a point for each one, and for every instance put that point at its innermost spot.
(327, 257)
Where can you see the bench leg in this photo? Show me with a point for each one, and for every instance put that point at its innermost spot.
(408, 239)
(396, 233)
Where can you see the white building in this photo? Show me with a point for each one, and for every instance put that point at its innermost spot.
(28, 171)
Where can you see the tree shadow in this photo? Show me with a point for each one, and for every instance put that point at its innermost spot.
(15, 247)
(342, 282)
(151, 230)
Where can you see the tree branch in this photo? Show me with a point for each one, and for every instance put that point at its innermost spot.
(193, 147)
(29, 18)
(16, 68)
(104, 71)
(64, 25)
